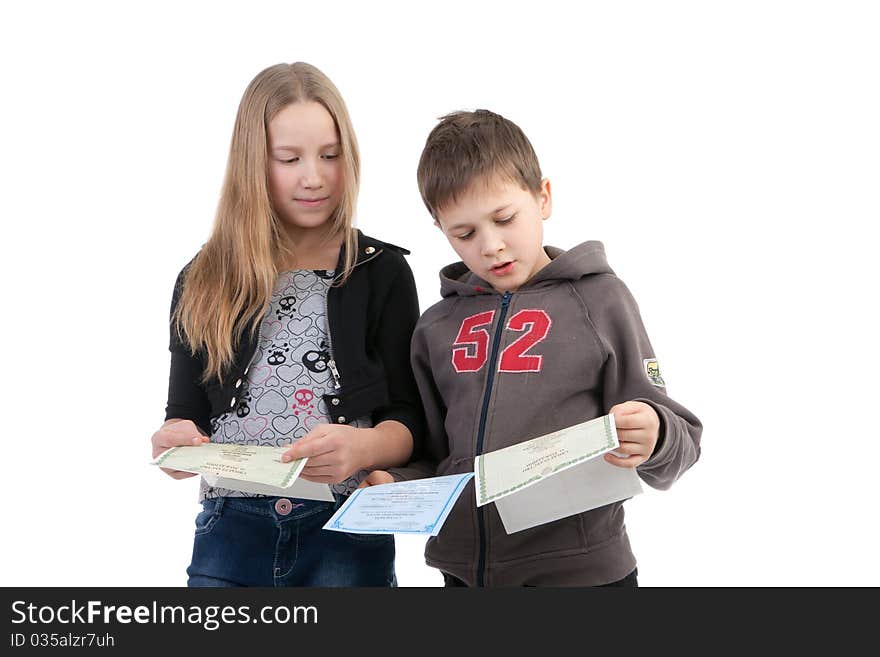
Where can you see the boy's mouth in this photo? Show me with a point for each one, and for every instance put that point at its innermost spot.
(502, 268)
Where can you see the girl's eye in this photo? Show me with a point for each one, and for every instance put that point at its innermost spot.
(290, 161)
(331, 156)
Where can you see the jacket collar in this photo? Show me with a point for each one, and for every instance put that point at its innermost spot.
(367, 249)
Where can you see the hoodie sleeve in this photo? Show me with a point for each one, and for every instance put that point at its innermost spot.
(435, 447)
(631, 373)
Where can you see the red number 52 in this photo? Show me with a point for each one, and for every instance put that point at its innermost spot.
(471, 348)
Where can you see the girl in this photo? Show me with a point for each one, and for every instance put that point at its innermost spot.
(290, 324)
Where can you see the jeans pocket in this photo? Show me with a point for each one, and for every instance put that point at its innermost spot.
(207, 518)
(368, 538)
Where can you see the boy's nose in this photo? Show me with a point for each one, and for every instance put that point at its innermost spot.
(492, 244)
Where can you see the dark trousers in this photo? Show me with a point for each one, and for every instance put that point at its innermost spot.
(630, 580)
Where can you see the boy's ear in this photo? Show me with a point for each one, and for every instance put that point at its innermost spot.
(437, 223)
(546, 199)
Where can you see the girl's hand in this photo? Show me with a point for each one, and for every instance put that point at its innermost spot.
(376, 478)
(177, 433)
(638, 429)
(335, 452)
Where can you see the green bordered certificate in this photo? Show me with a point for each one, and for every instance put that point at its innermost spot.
(513, 468)
(260, 465)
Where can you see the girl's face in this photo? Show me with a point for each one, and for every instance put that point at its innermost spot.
(305, 167)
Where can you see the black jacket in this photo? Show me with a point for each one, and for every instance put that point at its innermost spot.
(370, 320)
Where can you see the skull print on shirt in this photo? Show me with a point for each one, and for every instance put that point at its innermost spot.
(283, 396)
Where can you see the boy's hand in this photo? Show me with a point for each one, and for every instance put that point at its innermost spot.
(335, 452)
(376, 478)
(638, 429)
(177, 433)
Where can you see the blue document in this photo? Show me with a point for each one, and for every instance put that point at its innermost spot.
(406, 507)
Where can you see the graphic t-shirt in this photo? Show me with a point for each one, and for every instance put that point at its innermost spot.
(281, 399)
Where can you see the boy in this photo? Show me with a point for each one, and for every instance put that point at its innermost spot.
(528, 340)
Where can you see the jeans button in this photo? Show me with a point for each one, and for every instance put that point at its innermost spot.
(283, 506)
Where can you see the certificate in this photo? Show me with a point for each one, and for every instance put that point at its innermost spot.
(406, 507)
(301, 489)
(506, 471)
(586, 486)
(259, 465)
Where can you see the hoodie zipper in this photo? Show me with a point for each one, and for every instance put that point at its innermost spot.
(481, 519)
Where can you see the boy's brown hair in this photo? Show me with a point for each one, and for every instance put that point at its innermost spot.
(470, 147)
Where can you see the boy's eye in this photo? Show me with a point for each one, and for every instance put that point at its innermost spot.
(466, 236)
(506, 220)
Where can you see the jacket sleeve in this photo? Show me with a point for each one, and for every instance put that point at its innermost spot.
(186, 398)
(618, 324)
(435, 447)
(397, 321)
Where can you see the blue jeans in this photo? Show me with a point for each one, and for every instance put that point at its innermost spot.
(272, 541)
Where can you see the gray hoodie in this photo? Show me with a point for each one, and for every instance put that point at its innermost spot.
(494, 370)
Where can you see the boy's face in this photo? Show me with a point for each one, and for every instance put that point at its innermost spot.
(497, 231)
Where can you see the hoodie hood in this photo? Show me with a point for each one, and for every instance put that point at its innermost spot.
(583, 260)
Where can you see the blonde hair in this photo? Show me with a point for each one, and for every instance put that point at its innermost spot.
(228, 286)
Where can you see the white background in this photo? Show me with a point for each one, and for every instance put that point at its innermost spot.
(727, 154)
